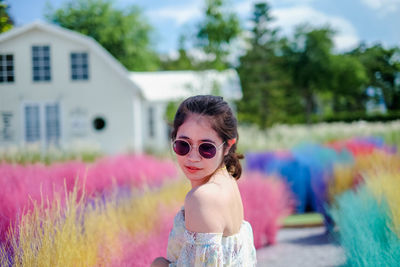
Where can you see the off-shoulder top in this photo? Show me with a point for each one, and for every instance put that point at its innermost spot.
(186, 248)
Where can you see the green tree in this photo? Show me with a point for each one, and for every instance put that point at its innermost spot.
(266, 98)
(348, 83)
(383, 70)
(124, 33)
(6, 22)
(309, 59)
(327, 82)
(216, 32)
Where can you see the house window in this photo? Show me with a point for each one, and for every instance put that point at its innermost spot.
(52, 112)
(151, 122)
(42, 121)
(6, 131)
(6, 68)
(79, 66)
(32, 123)
(41, 63)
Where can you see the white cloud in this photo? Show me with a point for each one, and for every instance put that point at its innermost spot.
(180, 15)
(288, 18)
(383, 6)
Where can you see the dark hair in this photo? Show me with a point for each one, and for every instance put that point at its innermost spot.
(222, 121)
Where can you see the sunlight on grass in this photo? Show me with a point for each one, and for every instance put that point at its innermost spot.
(303, 220)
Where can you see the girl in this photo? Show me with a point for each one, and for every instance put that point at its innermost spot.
(209, 230)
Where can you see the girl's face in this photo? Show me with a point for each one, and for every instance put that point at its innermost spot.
(195, 130)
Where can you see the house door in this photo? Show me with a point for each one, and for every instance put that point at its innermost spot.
(42, 123)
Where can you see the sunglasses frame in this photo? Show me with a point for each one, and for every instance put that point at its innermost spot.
(198, 147)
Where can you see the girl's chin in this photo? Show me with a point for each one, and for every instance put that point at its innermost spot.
(194, 174)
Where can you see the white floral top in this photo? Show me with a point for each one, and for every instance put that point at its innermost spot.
(186, 248)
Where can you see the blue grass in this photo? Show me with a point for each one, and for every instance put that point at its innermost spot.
(365, 229)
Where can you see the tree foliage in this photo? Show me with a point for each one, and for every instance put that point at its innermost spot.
(348, 84)
(294, 79)
(124, 33)
(266, 88)
(383, 71)
(310, 63)
(216, 32)
(327, 82)
(298, 78)
(6, 22)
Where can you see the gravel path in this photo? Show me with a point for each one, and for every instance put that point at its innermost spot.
(302, 247)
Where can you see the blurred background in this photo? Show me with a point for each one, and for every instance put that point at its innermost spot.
(88, 91)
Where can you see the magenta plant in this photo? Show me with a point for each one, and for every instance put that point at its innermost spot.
(141, 251)
(21, 185)
(267, 201)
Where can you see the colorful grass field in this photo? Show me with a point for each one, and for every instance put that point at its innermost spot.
(118, 211)
(354, 184)
(114, 212)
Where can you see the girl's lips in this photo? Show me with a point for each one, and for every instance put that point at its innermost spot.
(192, 169)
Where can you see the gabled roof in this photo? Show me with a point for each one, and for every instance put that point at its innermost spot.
(73, 36)
(176, 85)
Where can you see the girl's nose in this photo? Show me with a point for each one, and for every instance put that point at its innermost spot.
(194, 154)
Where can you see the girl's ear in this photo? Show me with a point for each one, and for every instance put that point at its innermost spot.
(230, 142)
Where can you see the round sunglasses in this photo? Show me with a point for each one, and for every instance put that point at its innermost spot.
(206, 150)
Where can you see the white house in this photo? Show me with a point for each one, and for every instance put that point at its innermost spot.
(60, 87)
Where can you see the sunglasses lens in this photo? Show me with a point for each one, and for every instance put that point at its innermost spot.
(207, 150)
(181, 147)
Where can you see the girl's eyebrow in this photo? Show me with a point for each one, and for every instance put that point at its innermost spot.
(202, 140)
(207, 140)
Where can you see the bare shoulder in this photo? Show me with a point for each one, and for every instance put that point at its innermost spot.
(203, 210)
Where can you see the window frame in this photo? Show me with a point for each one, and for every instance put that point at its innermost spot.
(24, 122)
(79, 70)
(151, 121)
(4, 63)
(7, 132)
(41, 63)
(43, 121)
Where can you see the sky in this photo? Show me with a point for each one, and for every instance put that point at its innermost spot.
(355, 21)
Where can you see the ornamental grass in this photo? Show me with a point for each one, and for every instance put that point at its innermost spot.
(267, 201)
(99, 232)
(368, 220)
(121, 221)
(21, 186)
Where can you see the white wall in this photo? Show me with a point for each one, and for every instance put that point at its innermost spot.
(160, 140)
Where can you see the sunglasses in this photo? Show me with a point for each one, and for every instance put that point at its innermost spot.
(206, 150)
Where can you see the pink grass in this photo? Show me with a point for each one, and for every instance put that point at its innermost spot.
(266, 202)
(141, 251)
(21, 185)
